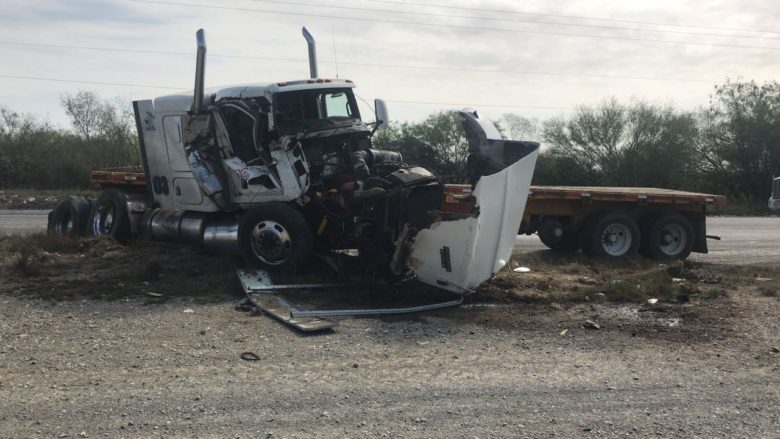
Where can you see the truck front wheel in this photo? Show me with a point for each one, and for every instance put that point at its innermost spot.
(275, 236)
(610, 235)
(668, 236)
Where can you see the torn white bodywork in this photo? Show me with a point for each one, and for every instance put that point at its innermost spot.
(458, 255)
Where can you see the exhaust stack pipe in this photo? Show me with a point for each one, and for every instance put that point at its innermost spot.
(200, 71)
(312, 53)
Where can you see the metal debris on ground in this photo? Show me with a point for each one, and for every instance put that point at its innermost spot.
(261, 292)
(590, 324)
(249, 356)
(244, 305)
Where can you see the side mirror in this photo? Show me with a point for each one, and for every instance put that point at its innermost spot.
(382, 118)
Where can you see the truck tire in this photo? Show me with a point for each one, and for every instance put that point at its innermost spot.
(556, 237)
(110, 216)
(276, 237)
(69, 217)
(610, 235)
(668, 236)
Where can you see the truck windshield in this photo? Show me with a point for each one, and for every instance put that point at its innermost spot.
(307, 110)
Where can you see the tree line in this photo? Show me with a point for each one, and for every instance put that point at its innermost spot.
(36, 154)
(731, 146)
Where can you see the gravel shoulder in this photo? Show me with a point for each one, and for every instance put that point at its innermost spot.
(86, 352)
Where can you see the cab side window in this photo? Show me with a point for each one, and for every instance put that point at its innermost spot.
(241, 128)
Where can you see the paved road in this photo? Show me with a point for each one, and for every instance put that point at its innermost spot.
(22, 222)
(745, 240)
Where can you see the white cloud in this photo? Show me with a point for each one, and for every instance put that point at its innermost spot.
(126, 24)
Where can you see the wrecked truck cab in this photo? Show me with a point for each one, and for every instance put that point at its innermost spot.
(459, 252)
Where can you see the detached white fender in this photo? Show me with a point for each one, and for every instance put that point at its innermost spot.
(458, 255)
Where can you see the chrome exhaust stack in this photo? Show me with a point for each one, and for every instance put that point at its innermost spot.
(200, 71)
(312, 53)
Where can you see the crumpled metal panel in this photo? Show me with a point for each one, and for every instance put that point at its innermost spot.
(458, 255)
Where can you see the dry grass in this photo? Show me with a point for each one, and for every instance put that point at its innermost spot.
(575, 278)
(53, 268)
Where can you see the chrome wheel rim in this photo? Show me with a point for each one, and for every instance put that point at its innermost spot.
(104, 220)
(672, 240)
(271, 242)
(65, 226)
(616, 239)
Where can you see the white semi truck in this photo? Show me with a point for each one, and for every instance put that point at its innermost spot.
(276, 171)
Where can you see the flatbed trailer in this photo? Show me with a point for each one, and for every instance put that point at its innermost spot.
(610, 221)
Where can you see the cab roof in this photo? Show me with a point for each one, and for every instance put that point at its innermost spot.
(183, 101)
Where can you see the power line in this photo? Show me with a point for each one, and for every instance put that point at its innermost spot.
(361, 64)
(74, 81)
(121, 84)
(577, 17)
(454, 26)
(455, 104)
(512, 20)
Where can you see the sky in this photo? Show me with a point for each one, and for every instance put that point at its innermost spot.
(536, 58)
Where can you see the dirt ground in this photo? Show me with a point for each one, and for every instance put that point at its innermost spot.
(87, 351)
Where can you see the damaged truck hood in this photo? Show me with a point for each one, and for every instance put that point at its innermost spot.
(459, 254)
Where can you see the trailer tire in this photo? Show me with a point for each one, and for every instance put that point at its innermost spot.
(668, 236)
(275, 236)
(610, 235)
(110, 216)
(69, 217)
(556, 237)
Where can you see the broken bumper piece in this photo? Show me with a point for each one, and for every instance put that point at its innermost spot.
(261, 291)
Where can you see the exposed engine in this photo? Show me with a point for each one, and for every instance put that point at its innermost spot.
(361, 198)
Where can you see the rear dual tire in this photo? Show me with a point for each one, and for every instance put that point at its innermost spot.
(69, 218)
(610, 236)
(553, 234)
(667, 236)
(110, 216)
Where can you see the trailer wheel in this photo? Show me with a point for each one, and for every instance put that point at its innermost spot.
(275, 236)
(110, 216)
(69, 217)
(610, 235)
(553, 235)
(668, 236)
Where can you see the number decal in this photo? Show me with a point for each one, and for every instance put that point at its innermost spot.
(160, 185)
